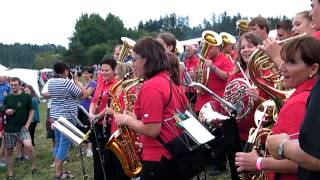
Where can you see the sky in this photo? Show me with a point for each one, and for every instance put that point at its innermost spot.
(53, 21)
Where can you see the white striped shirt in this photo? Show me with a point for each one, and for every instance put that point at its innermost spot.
(64, 94)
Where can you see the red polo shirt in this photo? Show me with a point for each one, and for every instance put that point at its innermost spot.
(191, 64)
(291, 116)
(103, 88)
(150, 108)
(215, 84)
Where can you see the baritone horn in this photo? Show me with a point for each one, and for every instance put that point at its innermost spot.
(126, 48)
(243, 26)
(210, 39)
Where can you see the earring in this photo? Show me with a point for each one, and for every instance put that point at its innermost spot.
(310, 75)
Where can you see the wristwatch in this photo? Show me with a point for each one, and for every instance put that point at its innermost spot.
(281, 149)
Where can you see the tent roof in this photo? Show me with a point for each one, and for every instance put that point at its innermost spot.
(29, 76)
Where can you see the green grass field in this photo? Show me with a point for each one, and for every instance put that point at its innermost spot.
(22, 170)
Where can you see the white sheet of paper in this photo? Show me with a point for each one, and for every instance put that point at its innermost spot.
(198, 132)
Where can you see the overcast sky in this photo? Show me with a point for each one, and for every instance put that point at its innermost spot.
(52, 21)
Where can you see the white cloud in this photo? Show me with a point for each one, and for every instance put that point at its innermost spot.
(44, 21)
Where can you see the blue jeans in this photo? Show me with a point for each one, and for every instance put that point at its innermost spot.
(62, 146)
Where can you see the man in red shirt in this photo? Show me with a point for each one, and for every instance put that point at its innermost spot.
(191, 64)
(220, 66)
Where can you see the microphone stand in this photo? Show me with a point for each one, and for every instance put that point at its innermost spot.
(229, 125)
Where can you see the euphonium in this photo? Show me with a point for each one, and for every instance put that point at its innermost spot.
(125, 49)
(210, 39)
(123, 141)
(243, 26)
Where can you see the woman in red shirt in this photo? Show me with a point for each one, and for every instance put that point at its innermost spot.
(160, 96)
(299, 71)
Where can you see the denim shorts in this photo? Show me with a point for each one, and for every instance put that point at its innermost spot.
(62, 145)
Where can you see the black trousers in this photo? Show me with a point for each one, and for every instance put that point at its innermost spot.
(108, 161)
(32, 129)
(162, 170)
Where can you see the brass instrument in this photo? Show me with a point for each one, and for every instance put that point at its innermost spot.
(122, 142)
(243, 26)
(210, 39)
(236, 95)
(125, 49)
(261, 66)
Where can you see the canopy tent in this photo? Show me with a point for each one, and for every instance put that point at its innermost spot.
(2, 67)
(29, 76)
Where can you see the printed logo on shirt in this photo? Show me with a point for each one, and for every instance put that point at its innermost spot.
(146, 115)
(19, 104)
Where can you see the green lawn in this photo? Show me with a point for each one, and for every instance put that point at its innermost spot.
(22, 170)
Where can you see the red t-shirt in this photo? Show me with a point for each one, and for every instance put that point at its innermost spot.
(291, 116)
(215, 83)
(103, 88)
(150, 108)
(316, 34)
(191, 64)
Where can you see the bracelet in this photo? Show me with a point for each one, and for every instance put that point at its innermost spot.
(258, 163)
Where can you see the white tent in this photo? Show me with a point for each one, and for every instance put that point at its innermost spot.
(29, 76)
(2, 67)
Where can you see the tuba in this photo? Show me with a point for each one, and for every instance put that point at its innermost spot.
(227, 39)
(210, 39)
(243, 26)
(125, 49)
(122, 142)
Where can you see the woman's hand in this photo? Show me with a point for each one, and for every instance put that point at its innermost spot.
(273, 142)
(109, 111)
(121, 119)
(254, 93)
(246, 161)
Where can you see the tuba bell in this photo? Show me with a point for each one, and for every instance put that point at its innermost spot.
(243, 26)
(125, 49)
(210, 39)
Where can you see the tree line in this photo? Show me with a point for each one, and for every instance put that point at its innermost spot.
(95, 37)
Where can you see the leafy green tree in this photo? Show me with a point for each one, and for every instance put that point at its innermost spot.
(46, 60)
(95, 53)
(90, 30)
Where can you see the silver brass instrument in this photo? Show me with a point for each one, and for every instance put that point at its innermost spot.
(206, 112)
(125, 49)
(236, 95)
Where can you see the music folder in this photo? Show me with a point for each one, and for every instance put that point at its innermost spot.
(195, 130)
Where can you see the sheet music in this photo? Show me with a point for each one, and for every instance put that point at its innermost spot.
(196, 130)
(76, 140)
